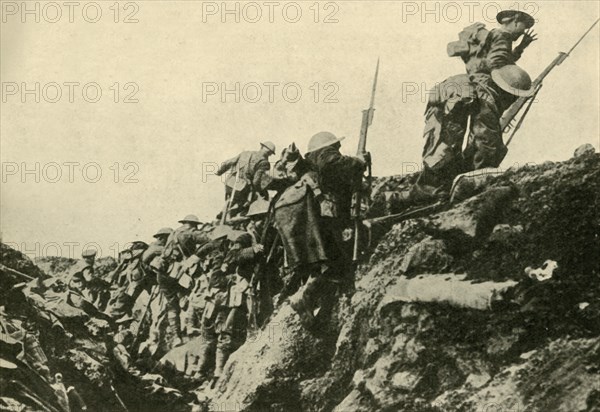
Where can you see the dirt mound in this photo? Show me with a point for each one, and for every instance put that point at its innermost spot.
(530, 345)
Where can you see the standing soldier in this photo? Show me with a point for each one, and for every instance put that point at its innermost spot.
(83, 275)
(180, 245)
(212, 255)
(484, 51)
(337, 176)
(249, 177)
(481, 97)
(232, 320)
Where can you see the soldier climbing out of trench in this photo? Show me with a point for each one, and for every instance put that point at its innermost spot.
(478, 100)
(484, 50)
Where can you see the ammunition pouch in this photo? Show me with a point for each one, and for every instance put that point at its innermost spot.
(184, 271)
(237, 292)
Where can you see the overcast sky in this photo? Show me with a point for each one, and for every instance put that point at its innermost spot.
(155, 155)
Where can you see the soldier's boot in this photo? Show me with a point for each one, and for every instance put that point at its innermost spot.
(220, 360)
(305, 301)
(174, 327)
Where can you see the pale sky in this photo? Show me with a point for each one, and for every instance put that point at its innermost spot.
(173, 133)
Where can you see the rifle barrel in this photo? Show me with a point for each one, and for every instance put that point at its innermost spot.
(581, 38)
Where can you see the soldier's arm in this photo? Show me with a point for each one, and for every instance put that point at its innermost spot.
(501, 52)
(244, 255)
(335, 162)
(209, 247)
(151, 253)
(227, 164)
(262, 178)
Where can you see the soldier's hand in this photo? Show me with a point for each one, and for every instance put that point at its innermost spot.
(528, 37)
(258, 248)
(365, 158)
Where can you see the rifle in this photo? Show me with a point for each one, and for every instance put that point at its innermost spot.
(409, 214)
(257, 278)
(16, 272)
(515, 108)
(367, 120)
(229, 201)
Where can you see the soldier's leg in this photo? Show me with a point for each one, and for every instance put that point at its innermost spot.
(442, 159)
(232, 336)
(169, 289)
(485, 147)
(224, 342)
(208, 344)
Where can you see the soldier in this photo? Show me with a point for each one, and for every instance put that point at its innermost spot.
(484, 98)
(266, 278)
(132, 281)
(212, 255)
(249, 177)
(232, 320)
(484, 51)
(83, 274)
(156, 248)
(337, 176)
(180, 246)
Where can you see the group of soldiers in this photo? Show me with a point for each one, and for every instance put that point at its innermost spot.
(220, 280)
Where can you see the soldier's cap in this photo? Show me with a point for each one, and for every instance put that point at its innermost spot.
(165, 231)
(259, 207)
(89, 253)
(522, 16)
(321, 140)
(124, 319)
(269, 145)
(138, 245)
(190, 219)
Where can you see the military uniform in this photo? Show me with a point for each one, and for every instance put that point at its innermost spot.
(493, 50)
(250, 176)
(337, 176)
(215, 299)
(86, 284)
(484, 51)
(232, 318)
(181, 245)
(446, 121)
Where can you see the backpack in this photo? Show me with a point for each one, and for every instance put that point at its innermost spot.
(471, 42)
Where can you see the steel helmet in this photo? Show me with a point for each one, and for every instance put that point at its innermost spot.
(269, 145)
(259, 207)
(89, 253)
(165, 231)
(190, 219)
(321, 140)
(514, 80)
(521, 15)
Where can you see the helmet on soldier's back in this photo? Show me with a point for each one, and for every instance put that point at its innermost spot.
(514, 80)
(321, 140)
